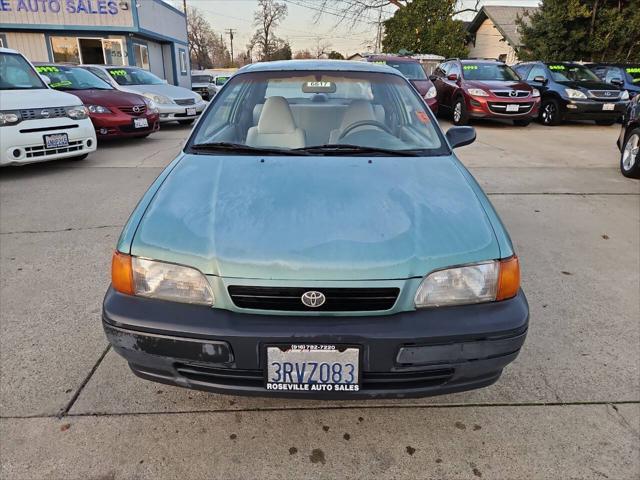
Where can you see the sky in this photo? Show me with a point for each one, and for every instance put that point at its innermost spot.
(300, 27)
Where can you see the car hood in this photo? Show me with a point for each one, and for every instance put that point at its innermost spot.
(422, 86)
(107, 98)
(37, 98)
(201, 85)
(589, 85)
(170, 91)
(316, 218)
(498, 85)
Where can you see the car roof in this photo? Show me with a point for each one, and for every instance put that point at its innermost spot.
(319, 65)
(611, 64)
(481, 60)
(395, 58)
(97, 65)
(8, 50)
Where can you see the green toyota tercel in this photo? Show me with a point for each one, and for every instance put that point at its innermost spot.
(317, 238)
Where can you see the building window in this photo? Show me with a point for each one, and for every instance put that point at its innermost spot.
(142, 55)
(113, 51)
(65, 49)
(183, 61)
(3, 41)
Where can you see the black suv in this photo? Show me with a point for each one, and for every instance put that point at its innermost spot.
(625, 76)
(571, 91)
(629, 141)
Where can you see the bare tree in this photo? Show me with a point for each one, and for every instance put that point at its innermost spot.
(303, 54)
(267, 18)
(322, 48)
(206, 49)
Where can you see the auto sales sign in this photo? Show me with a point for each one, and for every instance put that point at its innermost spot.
(66, 12)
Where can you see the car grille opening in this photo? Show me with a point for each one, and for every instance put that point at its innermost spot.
(186, 101)
(41, 151)
(507, 93)
(129, 110)
(605, 94)
(35, 113)
(232, 377)
(502, 108)
(290, 298)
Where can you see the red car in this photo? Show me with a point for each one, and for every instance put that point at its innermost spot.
(484, 89)
(413, 71)
(114, 113)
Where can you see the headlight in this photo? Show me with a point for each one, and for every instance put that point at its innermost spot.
(77, 113)
(625, 95)
(477, 92)
(160, 99)
(151, 105)
(161, 280)
(98, 109)
(572, 93)
(9, 118)
(431, 93)
(482, 282)
(535, 93)
(198, 97)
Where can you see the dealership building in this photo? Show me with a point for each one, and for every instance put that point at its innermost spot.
(146, 33)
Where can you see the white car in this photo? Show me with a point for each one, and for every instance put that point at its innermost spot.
(38, 123)
(176, 104)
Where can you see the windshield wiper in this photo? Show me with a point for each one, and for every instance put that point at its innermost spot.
(346, 149)
(241, 148)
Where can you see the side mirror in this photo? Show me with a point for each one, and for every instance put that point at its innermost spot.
(433, 78)
(45, 79)
(618, 82)
(461, 136)
(540, 79)
(453, 77)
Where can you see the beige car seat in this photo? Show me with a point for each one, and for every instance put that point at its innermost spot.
(276, 127)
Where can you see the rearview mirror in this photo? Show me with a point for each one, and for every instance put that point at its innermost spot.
(617, 82)
(540, 79)
(452, 76)
(461, 136)
(45, 79)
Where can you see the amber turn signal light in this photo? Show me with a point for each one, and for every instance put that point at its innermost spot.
(122, 273)
(509, 281)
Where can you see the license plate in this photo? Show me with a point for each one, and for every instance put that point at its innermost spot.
(313, 368)
(191, 111)
(609, 106)
(56, 140)
(140, 123)
(513, 108)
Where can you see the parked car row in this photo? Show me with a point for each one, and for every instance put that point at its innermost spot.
(61, 110)
(207, 84)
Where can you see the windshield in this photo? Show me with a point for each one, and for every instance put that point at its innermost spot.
(488, 72)
(133, 76)
(572, 73)
(72, 78)
(411, 70)
(298, 109)
(634, 73)
(17, 74)
(200, 78)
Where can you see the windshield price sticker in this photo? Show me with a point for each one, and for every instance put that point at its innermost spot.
(47, 69)
(319, 87)
(380, 62)
(118, 73)
(557, 67)
(470, 67)
(62, 83)
(633, 70)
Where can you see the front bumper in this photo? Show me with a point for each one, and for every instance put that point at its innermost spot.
(410, 354)
(24, 143)
(433, 104)
(174, 113)
(593, 110)
(496, 107)
(118, 124)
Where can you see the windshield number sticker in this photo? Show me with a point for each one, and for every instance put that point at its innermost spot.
(319, 87)
(633, 70)
(380, 62)
(470, 67)
(62, 83)
(118, 73)
(557, 67)
(47, 69)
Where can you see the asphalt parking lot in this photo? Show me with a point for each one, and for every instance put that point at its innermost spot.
(569, 407)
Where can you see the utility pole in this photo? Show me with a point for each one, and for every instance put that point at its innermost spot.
(231, 31)
(379, 32)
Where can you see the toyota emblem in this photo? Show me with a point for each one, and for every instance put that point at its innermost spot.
(136, 109)
(313, 299)
(44, 113)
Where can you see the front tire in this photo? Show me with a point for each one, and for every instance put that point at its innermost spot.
(522, 122)
(630, 157)
(550, 113)
(460, 115)
(185, 122)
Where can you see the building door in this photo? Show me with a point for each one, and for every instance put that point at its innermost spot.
(91, 50)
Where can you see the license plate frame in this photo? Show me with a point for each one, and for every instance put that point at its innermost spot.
(609, 107)
(513, 108)
(63, 140)
(330, 354)
(191, 111)
(140, 123)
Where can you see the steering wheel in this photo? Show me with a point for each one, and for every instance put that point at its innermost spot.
(362, 123)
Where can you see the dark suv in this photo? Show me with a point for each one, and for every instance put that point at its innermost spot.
(625, 76)
(572, 91)
(484, 89)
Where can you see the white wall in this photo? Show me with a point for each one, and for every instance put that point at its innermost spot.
(31, 45)
(490, 44)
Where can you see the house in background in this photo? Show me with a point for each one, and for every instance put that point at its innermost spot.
(494, 33)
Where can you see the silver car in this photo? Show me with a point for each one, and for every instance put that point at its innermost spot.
(175, 104)
(204, 84)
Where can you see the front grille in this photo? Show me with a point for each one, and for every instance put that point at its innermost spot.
(507, 93)
(142, 109)
(502, 108)
(186, 101)
(605, 94)
(337, 299)
(41, 151)
(35, 113)
(232, 377)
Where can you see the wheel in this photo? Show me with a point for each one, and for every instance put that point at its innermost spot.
(185, 122)
(460, 115)
(606, 123)
(522, 122)
(630, 158)
(550, 113)
(79, 157)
